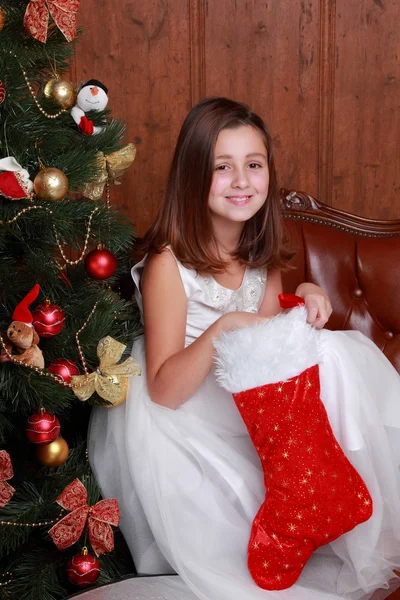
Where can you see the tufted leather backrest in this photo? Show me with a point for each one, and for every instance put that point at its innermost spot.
(355, 261)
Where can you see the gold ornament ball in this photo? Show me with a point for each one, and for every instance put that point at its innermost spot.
(61, 91)
(51, 184)
(54, 454)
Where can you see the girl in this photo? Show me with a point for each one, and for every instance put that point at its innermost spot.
(177, 454)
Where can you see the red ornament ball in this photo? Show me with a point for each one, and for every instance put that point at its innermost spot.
(100, 263)
(64, 369)
(42, 428)
(48, 319)
(83, 569)
(2, 92)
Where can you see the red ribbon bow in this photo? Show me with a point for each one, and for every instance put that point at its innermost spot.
(101, 516)
(6, 472)
(36, 18)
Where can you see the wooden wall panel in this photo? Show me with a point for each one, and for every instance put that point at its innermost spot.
(267, 54)
(141, 51)
(324, 74)
(366, 109)
(327, 48)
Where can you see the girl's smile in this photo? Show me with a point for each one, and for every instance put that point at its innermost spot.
(239, 200)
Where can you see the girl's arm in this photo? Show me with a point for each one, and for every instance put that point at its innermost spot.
(174, 372)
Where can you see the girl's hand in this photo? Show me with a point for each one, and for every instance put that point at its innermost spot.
(318, 306)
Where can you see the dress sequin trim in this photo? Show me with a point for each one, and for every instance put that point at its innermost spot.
(247, 298)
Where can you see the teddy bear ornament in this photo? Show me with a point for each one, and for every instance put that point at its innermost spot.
(91, 96)
(22, 338)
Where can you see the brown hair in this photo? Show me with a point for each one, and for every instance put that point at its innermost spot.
(184, 222)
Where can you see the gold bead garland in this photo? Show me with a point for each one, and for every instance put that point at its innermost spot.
(23, 211)
(32, 92)
(87, 236)
(8, 581)
(79, 346)
(108, 204)
(78, 260)
(40, 524)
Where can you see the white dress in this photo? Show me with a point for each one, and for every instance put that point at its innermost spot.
(189, 482)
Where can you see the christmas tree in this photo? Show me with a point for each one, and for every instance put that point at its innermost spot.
(63, 251)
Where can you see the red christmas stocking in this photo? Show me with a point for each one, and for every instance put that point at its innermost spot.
(313, 493)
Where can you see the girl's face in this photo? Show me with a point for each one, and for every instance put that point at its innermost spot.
(240, 181)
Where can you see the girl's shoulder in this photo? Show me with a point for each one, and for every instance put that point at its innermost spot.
(158, 263)
(160, 271)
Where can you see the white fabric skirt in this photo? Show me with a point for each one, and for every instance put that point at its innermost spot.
(189, 481)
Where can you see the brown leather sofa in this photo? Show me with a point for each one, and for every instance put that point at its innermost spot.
(356, 261)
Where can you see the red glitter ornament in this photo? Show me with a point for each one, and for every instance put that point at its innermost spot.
(64, 369)
(48, 319)
(2, 92)
(42, 428)
(100, 263)
(83, 569)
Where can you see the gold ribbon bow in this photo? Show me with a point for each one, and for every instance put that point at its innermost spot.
(109, 380)
(111, 168)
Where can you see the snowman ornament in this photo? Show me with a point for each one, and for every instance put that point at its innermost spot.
(91, 96)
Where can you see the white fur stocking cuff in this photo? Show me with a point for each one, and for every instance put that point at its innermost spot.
(274, 351)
